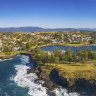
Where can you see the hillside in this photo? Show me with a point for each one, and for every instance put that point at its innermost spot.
(39, 29)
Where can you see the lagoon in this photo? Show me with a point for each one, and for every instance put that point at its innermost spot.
(74, 48)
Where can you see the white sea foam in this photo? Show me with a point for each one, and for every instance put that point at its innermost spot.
(27, 80)
(1, 60)
(64, 92)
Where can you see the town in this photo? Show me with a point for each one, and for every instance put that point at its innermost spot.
(26, 41)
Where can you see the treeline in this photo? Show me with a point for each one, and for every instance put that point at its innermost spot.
(81, 55)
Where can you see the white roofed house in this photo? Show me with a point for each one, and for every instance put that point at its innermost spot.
(16, 48)
(24, 43)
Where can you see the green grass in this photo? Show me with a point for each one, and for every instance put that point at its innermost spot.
(74, 70)
(72, 44)
(7, 54)
(74, 67)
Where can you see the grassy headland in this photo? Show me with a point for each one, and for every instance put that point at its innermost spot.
(67, 64)
(24, 42)
(61, 67)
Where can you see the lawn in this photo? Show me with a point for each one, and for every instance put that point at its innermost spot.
(73, 67)
(74, 70)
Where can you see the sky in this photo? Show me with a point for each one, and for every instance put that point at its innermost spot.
(48, 13)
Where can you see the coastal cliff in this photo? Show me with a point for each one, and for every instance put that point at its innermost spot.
(54, 80)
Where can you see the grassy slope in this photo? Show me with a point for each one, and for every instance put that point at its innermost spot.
(9, 54)
(69, 70)
(74, 70)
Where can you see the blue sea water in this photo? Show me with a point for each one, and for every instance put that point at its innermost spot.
(14, 80)
(7, 72)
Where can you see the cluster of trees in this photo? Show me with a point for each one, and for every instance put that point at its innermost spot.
(82, 55)
(7, 48)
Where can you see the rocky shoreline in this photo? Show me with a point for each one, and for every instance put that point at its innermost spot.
(8, 57)
(53, 80)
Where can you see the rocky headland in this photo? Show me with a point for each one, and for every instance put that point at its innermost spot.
(53, 80)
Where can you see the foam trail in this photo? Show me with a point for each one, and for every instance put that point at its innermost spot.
(27, 80)
(64, 92)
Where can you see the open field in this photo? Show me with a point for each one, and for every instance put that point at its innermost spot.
(74, 70)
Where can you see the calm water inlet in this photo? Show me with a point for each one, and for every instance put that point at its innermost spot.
(74, 48)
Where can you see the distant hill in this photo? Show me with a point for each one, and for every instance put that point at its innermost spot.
(21, 29)
(88, 29)
(61, 29)
(39, 29)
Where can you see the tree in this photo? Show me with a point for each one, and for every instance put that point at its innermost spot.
(7, 48)
(74, 58)
(83, 60)
(28, 45)
(57, 52)
(85, 52)
(57, 60)
(90, 54)
(69, 55)
(79, 55)
(52, 59)
(37, 50)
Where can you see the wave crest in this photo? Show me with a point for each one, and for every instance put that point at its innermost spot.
(25, 80)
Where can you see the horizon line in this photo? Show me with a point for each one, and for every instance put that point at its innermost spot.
(49, 27)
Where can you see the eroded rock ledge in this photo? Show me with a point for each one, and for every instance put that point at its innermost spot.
(53, 80)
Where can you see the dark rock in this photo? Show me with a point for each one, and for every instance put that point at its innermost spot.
(53, 80)
(52, 94)
(83, 86)
(44, 75)
(48, 84)
(54, 77)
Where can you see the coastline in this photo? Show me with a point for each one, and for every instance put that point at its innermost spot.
(52, 80)
(35, 68)
(8, 56)
(75, 45)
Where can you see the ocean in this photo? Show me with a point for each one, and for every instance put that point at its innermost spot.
(14, 80)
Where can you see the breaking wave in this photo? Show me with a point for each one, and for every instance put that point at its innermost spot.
(25, 80)
(64, 92)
